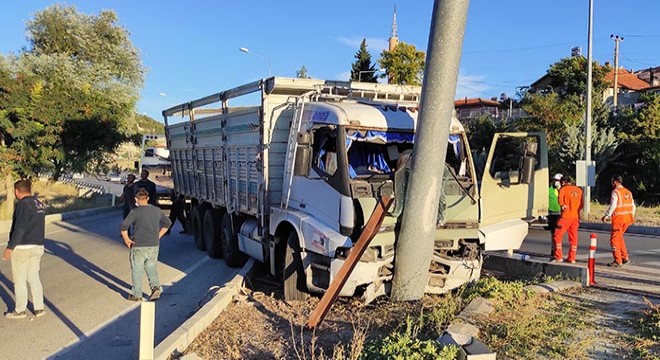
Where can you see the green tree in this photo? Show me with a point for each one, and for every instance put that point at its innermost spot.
(404, 64)
(72, 92)
(302, 73)
(362, 69)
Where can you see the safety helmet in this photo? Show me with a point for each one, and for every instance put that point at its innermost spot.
(557, 176)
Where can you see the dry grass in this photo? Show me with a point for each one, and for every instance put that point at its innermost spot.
(644, 216)
(57, 197)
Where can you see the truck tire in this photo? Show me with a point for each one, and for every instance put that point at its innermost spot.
(212, 234)
(233, 255)
(197, 219)
(295, 287)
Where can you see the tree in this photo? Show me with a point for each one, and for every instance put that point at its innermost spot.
(72, 92)
(362, 69)
(404, 64)
(302, 73)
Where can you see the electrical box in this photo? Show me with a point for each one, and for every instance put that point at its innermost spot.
(585, 172)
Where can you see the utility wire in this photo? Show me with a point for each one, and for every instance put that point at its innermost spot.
(517, 49)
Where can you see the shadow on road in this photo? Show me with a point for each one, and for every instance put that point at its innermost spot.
(6, 287)
(66, 253)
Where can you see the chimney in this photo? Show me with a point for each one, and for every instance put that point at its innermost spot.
(651, 79)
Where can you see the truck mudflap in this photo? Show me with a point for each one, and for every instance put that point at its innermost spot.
(507, 235)
(448, 273)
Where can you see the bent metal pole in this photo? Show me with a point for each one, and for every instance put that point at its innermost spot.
(414, 248)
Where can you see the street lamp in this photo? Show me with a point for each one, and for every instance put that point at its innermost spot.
(368, 71)
(247, 51)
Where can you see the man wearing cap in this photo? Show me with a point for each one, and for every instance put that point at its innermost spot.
(554, 210)
(622, 212)
(570, 200)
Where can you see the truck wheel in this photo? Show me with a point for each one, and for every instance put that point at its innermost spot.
(295, 288)
(197, 227)
(233, 256)
(211, 233)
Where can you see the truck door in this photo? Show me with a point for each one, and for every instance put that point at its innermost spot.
(515, 178)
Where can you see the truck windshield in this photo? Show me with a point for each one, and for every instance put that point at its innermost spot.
(372, 152)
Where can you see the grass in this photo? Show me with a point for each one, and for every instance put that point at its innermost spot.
(644, 215)
(57, 197)
(645, 344)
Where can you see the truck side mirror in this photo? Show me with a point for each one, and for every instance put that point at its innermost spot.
(528, 163)
(302, 161)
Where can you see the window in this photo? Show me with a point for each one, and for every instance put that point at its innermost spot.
(325, 151)
(508, 157)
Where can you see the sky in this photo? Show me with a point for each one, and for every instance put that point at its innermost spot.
(191, 48)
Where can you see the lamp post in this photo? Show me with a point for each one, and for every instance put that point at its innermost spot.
(587, 125)
(367, 71)
(270, 66)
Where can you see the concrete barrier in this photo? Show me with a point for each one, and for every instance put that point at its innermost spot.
(5, 225)
(516, 267)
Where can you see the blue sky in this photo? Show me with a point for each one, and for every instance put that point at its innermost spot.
(191, 48)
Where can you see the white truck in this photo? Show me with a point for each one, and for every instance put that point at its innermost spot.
(292, 180)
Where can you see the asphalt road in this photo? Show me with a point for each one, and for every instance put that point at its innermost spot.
(644, 250)
(86, 277)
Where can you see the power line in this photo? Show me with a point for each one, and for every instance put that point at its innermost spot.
(642, 36)
(517, 49)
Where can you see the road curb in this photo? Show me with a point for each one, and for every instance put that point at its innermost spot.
(182, 337)
(5, 225)
(530, 267)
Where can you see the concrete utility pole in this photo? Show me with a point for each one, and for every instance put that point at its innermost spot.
(587, 130)
(414, 248)
(615, 99)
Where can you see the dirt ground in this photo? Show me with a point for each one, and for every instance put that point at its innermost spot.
(260, 325)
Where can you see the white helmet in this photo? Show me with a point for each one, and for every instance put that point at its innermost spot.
(557, 176)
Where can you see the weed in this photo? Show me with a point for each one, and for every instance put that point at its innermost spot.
(646, 343)
(406, 344)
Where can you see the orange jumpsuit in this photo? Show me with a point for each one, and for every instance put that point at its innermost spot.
(570, 200)
(622, 211)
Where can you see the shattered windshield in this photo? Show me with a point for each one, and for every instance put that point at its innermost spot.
(373, 152)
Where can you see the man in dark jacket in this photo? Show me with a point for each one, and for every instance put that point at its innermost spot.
(128, 194)
(148, 185)
(149, 225)
(25, 249)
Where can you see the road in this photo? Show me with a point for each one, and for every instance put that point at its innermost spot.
(86, 277)
(640, 275)
(644, 250)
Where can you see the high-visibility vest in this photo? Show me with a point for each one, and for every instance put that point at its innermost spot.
(624, 205)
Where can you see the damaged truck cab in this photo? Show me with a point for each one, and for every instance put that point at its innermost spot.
(292, 181)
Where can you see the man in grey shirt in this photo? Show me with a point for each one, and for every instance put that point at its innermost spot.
(149, 225)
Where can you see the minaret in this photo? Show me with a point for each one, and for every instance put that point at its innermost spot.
(394, 38)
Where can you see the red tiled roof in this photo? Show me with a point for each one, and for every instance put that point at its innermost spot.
(627, 80)
(474, 102)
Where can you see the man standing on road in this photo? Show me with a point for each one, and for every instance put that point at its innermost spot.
(177, 213)
(622, 212)
(148, 185)
(149, 225)
(25, 249)
(129, 194)
(554, 210)
(570, 200)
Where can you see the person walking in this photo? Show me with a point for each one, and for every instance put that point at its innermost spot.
(149, 225)
(150, 186)
(622, 213)
(571, 203)
(129, 194)
(554, 210)
(177, 213)
(25, 249)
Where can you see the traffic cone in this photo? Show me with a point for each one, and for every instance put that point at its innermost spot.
(591, 265)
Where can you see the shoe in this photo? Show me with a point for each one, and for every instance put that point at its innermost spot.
(570, 261)
(614, 264)
(133, 298)
(39, 313)
(555, 260)
(15, 315)
(625, 261)
(155, 293)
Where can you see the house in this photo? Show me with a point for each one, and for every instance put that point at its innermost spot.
(473, 108)
(650, 75)
(629, 87)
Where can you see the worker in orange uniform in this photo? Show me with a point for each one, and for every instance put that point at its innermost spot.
(570, 200)
(622, 212)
